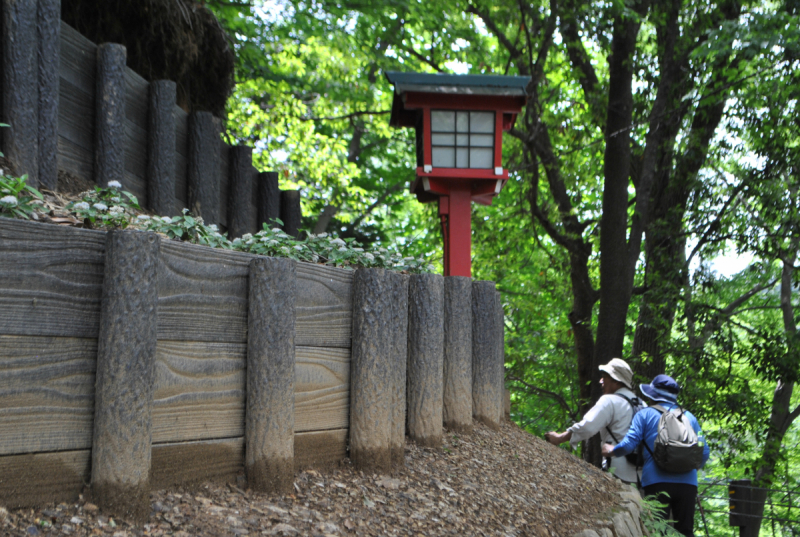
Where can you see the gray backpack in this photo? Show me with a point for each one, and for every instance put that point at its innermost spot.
(676, 448)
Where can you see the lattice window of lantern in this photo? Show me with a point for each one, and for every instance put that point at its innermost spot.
(462, 139)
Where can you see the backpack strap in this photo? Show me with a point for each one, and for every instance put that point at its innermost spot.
(630, 402)
(660, 409)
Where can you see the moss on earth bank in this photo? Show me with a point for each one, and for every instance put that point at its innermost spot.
(488, 483)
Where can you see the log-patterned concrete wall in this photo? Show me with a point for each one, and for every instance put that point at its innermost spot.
(51, 313)
(145, 152)
(51, 282)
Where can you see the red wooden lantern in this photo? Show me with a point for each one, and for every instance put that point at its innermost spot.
(459, 122)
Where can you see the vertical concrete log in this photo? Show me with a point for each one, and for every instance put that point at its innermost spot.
(370, 371)
(21, 88)
(425, 358)
(126, 357)
(291, 213)
(49, 33)
(240, 191)
(109, 147)
(486, 395)
(269, 422)
(269, 199)
(161, 150)
(398, 355)
(203, 168)
(457, 401)
(500, 360)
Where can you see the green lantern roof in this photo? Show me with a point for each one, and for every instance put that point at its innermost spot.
(458, 84)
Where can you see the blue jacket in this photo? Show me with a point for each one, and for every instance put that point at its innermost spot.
(645, 426)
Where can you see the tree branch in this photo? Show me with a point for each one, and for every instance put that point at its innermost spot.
(423, 58)
(515, 52)
(348, 116)
(547, 393)
(376, 203)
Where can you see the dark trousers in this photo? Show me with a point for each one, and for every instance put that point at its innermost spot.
(681, 499)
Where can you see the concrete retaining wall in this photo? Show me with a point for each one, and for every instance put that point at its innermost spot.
(70, 306)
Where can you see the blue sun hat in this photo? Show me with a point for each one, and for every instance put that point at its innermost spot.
(663, 389)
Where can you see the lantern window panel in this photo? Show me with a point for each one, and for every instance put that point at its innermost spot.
(462, 157)
(462, 121)
(444, 157)
(481, 157)
(443, 121)
(443, 139)
(462, 139)
(481, 122)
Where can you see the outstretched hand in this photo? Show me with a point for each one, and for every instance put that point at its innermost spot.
(607, 449)
(556, 438)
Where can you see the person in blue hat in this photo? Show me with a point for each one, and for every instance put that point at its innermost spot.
(677, 491)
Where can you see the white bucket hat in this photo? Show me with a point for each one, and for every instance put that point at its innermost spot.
(619, 370)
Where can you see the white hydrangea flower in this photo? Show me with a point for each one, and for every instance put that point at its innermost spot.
(198, 219)
(338, 242)
(272, 243)
(342, 249)
(100, 206)
(369, 256)
(166, 219)
(298, 248)
(430, 268)
(314, 258)
(184, 210)
(382, 250)
(116, 209)
(247, 237)
(358, 249)
(114, 184)
(408, 259)
(213, 227)
(143, 217)
(10, 201)
(276, 230)
(116, 199)
(322, 235)
(285, 249)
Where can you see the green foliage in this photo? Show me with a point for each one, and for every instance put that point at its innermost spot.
(655, 526)
(186, 227)
(17, 199)
(107, 207)
(326, 249)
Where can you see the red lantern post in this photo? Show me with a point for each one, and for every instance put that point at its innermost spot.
(459, 122)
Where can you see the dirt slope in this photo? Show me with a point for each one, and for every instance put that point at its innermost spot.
(488, 483)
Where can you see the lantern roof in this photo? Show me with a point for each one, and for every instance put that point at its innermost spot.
(458, 84)
(502, 93)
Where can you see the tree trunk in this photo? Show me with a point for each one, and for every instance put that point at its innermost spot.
(615, 289)
(782, 415)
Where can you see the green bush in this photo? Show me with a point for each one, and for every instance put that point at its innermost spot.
(17, 199)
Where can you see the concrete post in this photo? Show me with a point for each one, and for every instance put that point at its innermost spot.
(269, 422)
(126, 358)
(425, 358)
(370, 371)
(457, 405)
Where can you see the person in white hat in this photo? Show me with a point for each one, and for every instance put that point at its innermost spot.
(611, 417)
